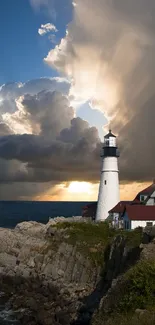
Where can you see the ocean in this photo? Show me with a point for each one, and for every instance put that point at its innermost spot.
(13, 212)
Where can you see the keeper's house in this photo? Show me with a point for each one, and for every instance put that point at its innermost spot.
(138, 216)
(137, 213)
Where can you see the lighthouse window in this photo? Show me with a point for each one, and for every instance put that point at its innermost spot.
(105, 182)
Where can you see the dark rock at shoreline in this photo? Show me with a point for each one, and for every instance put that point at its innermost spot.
(36, 302)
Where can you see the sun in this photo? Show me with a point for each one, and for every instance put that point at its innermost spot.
(79, 187)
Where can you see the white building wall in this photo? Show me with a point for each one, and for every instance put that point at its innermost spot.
(109, 194)
(151, 201)
(135, 223)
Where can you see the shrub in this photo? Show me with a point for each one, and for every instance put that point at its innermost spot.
(134, 237)
(124, 319)
(140, 287)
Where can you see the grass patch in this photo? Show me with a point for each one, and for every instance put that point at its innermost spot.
(90, 238)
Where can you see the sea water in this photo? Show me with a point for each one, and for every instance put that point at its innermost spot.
(13, 212)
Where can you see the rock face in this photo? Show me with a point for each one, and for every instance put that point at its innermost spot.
(44, 276)
(118, 257)
(48, 280)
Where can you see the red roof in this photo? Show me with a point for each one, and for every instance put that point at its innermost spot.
(141, 212)
(119, 207)
(147, 191)
(136, 201)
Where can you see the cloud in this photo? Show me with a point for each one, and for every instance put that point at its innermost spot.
(46, 6)
(52, 38)
(64, 149)
(4, 129)
(44, 29)
(23, 191)
(39, 3)
(10, 92)
(109, 55)
(41, 139)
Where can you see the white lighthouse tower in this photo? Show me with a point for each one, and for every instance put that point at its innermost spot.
(109, 184)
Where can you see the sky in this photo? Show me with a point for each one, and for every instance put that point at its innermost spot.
(68, 71)
(23, 48)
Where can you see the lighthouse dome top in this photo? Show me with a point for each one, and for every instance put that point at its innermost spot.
(109, 135)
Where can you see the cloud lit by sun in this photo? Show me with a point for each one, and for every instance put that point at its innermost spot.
(74, 191)
(80, 187)
(84, 191)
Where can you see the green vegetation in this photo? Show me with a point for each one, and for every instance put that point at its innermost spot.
(133, 238)
(144, 318)
(140, 287)
(137, 293)
(90, 238)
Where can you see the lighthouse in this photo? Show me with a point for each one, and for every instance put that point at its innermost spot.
(108, 195)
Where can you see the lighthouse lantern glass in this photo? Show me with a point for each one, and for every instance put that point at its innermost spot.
(112, 142)
(106, 142)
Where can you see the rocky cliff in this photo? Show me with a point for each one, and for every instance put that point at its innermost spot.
(59, 273)
(44, 274)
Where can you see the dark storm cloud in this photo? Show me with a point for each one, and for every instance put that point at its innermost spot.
(53, 160)
(61, 148)
(50, 110)
(4, 129)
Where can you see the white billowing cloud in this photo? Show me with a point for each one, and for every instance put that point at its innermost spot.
(46, 28)
(18, 121)
(109, 55)
(13, 112)
(9, 93)
(94, 52)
